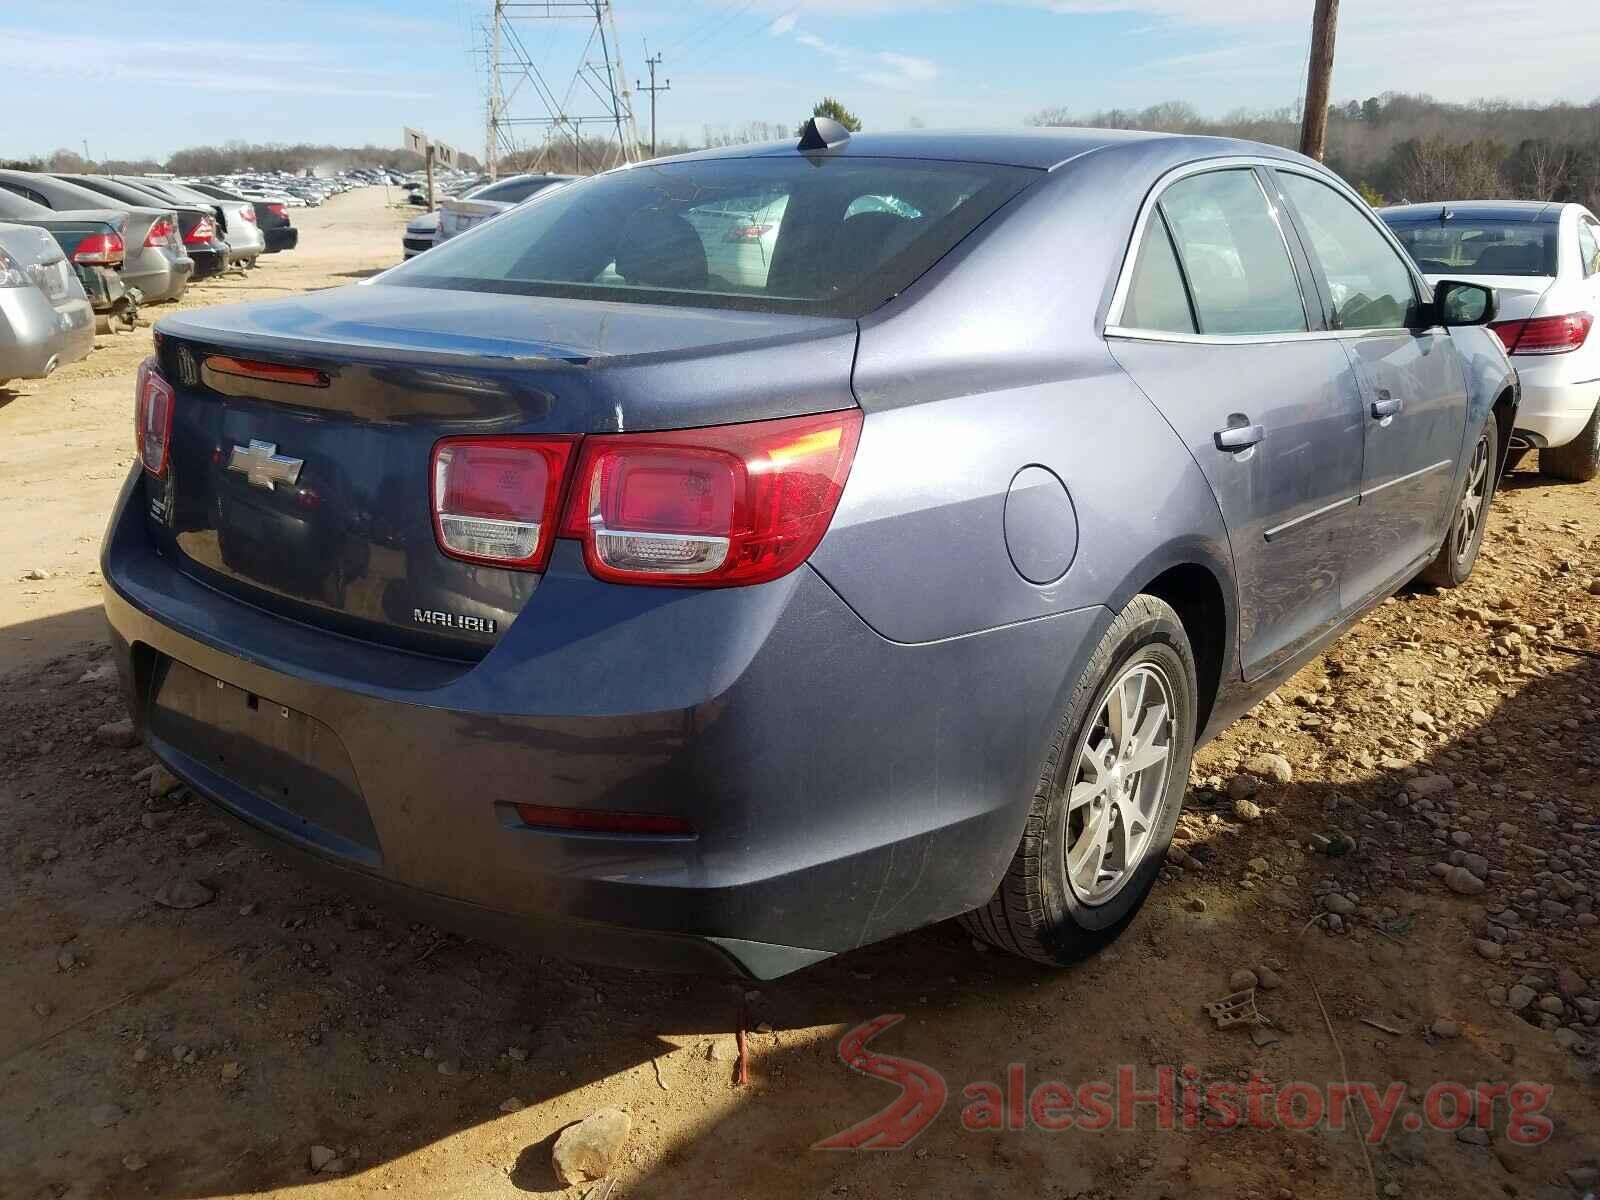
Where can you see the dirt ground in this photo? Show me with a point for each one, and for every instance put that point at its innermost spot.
(152, 1051)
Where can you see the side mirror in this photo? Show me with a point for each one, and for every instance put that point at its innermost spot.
(1459, 303)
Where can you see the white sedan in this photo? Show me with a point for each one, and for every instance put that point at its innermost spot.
(1543, 260)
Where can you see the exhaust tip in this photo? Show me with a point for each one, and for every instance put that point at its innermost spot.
(50, 366)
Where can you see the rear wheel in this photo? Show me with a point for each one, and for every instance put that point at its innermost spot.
(1108, 798)
(1459, 553)
(1579, 460)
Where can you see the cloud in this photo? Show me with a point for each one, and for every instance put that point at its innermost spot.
(883, 68)
(204, 64)
(783, 25)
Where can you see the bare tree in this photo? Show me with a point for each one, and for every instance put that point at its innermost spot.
(1545, 165)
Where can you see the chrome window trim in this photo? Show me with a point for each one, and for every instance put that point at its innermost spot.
(1130, 334)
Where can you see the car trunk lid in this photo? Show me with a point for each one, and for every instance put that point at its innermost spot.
(311, 498)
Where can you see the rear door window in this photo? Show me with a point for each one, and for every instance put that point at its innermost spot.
(1371, 285)
(1157, 298)
(1233, 255)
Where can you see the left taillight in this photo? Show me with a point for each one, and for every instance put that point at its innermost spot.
(152, 427)
(100, 250)
(721, 506)
(496, 500)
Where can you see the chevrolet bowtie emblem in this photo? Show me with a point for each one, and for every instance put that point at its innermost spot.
(263, 466)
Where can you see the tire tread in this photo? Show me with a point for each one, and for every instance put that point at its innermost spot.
(1016, 918)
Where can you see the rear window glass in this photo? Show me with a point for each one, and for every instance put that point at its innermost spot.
(1465, 247)
(513, 191)
(831, 236)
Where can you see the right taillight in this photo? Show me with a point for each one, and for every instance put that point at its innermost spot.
(276, 210)
(716, 507)
(152, 423)
(203, 231)
(160, 233)
(99, 250)
(1545, 335)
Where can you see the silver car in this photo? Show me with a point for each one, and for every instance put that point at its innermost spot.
(236, 219)
(460, 213)
(45, 318)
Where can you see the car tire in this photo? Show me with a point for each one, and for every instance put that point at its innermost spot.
(1579, 460)
(1456, 558)
(1047, 908)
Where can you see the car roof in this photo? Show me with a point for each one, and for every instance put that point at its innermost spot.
(1525, 211)
(1040, 148)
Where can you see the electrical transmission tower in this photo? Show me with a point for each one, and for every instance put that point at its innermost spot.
(593, 106)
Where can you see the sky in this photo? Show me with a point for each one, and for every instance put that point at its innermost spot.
(138, 79)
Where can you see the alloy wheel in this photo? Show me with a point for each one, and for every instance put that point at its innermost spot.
(1119, 780)
(1473, 501)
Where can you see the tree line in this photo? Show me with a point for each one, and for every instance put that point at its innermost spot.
(237, 156)
(1398, 147)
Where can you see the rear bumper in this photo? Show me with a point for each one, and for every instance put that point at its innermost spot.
(843, 788)
(208, 260)
(244, 249)
(285, 237)
(1557, 399)
(414, 246)
(158, 277)
(36, 338)
(104, 286)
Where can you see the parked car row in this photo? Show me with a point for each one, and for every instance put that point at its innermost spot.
(472, 203)
(115, 242)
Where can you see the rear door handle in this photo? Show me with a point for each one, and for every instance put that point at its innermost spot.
(1239, 437)
(1386, 406)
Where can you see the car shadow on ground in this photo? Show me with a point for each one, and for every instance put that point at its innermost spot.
(368, 273)
(214, 1046)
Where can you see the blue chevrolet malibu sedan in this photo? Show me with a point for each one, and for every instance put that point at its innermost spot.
(581, 597)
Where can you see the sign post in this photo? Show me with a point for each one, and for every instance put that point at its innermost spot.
(418, 142)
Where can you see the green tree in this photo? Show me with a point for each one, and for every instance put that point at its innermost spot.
(831, 108)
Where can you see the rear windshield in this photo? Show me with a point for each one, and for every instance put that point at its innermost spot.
(1482, 247)
(830, 236)
(513, 191)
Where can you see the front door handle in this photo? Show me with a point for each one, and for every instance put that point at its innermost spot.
(1239, 437)
(1386, 406)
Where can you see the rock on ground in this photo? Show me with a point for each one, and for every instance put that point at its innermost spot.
(589, 1149)
(118, 733)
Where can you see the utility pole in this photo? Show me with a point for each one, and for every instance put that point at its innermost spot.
(653, 63)
(1314, 127)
